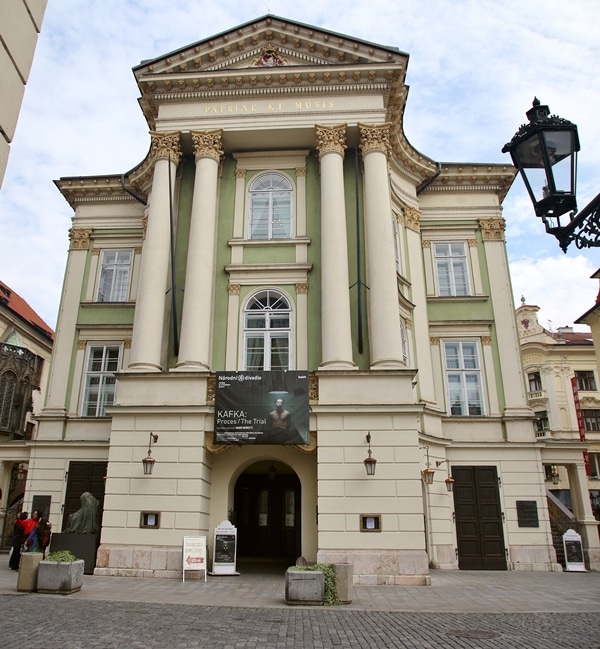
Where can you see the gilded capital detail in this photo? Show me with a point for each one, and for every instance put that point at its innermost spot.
(302, 289)
(208, 144)
(300, 171)
(233, 289)
(492, 229)
(165, 145)
(240, 173)
(80, 238)
(412, 218)
(331, 139)
(434, 340)
(375, 137)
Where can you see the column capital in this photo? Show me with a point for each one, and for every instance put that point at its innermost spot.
(331, 139)
(208, 144)
(165, 145)
(375, 137)
(492, 229)
(80, 238)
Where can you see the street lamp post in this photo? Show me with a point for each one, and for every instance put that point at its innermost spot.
(544, 151)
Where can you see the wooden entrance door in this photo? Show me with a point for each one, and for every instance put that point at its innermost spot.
(267, 516)
(479, 529)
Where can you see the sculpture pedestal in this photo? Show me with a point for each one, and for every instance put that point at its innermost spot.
(83, 546)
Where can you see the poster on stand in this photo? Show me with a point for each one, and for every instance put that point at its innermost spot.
(262, 408)
(225, 549)
(194, 554)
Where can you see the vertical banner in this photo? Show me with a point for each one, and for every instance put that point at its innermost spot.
(580, 424)
(262, 408)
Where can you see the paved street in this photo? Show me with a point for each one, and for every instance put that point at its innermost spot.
(496, 610)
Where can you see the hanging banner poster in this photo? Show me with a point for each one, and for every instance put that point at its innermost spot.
(262, 408)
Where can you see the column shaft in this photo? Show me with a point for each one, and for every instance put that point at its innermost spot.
(150, 312)
(336, 331)
(385, 339)
(194, 350)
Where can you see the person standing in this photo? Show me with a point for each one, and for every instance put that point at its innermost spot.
(18, 539)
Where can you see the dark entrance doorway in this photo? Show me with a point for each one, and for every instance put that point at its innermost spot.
(84, 476)
(267, 513)
(478, 518)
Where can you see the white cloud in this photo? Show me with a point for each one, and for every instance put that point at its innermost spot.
(474, 68)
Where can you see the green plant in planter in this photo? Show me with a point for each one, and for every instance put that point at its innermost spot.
(331, 597)
(61, 556)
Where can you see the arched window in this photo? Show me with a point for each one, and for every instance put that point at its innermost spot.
(270, 207)
(8, 385)
(267, 319)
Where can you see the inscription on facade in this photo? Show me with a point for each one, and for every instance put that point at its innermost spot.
(269, 107)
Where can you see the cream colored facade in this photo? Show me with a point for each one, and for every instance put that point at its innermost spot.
(20, 24)
(393, 273)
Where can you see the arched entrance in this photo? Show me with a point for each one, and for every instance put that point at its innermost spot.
(267, 512)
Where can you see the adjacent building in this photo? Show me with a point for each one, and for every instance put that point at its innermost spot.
(283, 232)
(25, 349)
(20, 24)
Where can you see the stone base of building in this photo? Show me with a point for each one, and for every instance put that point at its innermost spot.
(382, 567)
(592, 558)
(538, 558)
(163, 562)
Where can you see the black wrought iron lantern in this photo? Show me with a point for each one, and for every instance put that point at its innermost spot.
(148, 462)
(370, 462)
(544, 151)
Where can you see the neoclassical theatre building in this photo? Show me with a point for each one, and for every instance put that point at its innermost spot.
(283, 241)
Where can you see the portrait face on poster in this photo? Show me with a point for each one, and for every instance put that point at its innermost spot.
(262, 408)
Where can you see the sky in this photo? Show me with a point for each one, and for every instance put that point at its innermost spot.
(474, 69)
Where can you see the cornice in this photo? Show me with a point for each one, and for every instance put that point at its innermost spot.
(495, 178)
(97, 189)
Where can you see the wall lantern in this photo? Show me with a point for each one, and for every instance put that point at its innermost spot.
(370, 462)
(21, 471)
(449, 480)
(555, 476)
(544, 151)
(427, 472)
(148, 462)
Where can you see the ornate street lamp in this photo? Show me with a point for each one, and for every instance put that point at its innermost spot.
(545, 154)
(370, 462)
(148, 462)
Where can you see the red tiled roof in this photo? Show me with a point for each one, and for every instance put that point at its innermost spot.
(17, 305)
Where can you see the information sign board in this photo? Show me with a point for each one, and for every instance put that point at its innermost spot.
(194, 554)
(573, 551)
(225, 549)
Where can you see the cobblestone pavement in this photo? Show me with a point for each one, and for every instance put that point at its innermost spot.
(57, 622)
(461, 609)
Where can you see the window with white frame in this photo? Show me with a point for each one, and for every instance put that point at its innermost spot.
(100, 382)
(267, 326)
(395, 229)
(594, 460)
(404, 340)
(452, 269)
(115, 269)
(591, 419)
(463, 377)
(270, 207)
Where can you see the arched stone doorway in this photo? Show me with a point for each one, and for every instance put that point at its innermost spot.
(267, 513)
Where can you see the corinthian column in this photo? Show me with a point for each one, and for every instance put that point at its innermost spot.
(385, 341)
(336, 332)
(194, 349)
(148, 323)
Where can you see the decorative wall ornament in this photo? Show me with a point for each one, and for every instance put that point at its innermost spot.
(240, 173)
(492, 229)
(331, 139)
(302, 289)
(233, 289)
(486, 340)
(313, 387)
(412, 217)
(165, 145)
(208, 144)
(95, 252)
(472, 243)
(81, 344)
(375, 137)
(434, 340)
(80, 238)
(300, 171)
(426, 243)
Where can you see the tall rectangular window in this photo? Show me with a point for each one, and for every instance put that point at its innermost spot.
(452, 269)
(463, 377)
(591, 418)
(585, 380)
(100, 381)
(535, 381)
(114, 276)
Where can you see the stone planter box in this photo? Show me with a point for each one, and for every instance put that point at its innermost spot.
(304, 587)
(60, 577)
